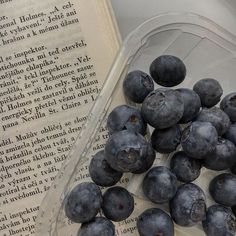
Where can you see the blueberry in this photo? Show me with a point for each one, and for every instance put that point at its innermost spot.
(159, 184)
(223, 157)
(216, 117)
(126, 151)
(188, 206)
(163, 108)
(99, 226)
(233, 169)
(231, 133)
(184, 167)
(147, 162)
(209, 91)
(155, 222)
(101, 173)
(118, 204)
(168, 70)
(219, 221)
(199, 139)
(126, 117)
(192, 104)
(228, 105)
(166, 140)
(137, 85)
(223, 189)
(83, 202)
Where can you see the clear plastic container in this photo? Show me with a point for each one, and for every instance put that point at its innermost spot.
(207, 51)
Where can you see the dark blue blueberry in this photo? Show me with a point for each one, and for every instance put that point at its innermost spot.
(137, 85)
(147, 162)
(233, 169)
(228, 105)
(216, 117)
(99, 226)
(223, 189)
(166, 140)
(118, 204)
(234, 210)
(126, 151)
(188, 206)
(220, 221)
(83, 202)
(125, 117)
(101, 173)
(159, 184)
(209, 91)
(199, 139)
(192, 104)
(223, 157)
(168, 70)
(163, 108)
(231, 133)
(155, 222)
(185, 168)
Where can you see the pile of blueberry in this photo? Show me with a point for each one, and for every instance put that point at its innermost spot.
(186, 117)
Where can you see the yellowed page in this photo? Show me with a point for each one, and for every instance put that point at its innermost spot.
(54, 57)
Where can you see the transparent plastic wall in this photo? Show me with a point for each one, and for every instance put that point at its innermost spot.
(207, 50)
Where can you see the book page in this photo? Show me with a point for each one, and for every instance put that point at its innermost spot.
(54, 58)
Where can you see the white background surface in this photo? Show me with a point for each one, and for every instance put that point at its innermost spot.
(130, 13)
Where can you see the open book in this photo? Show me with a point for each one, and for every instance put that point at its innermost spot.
(54, 58)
